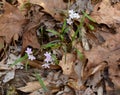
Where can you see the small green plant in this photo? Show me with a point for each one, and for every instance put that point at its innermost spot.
(61, 34)
(79, 27)
(52, 45)
(82, 20)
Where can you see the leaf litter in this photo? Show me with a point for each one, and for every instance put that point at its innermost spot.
(85, 54)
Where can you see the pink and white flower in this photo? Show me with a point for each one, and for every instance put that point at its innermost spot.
(48, 57)
(46, 65)
(30, 54)
(29, 51)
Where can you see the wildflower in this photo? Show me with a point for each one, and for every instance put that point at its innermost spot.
(48, 57)
(71, 12)
(69, 21)
(31, 57)
(46, 65)
(30, 54)
(72, 15)
(76, 16)
(29, 51)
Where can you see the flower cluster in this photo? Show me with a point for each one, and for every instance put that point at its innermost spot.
(48, 60)
(30, 54)
(72, 15)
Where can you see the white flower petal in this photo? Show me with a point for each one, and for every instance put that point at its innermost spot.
(29, 51)
(31, 57)
(69, 21)
(46, 65)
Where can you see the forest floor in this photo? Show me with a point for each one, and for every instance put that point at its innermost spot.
(59, 47)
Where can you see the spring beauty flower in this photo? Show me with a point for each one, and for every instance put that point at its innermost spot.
(48, 60)
(72, 15)
(29, 51)
(31, 57)
(69, 21)
(48, 57)
(46, 65)
(30, 54)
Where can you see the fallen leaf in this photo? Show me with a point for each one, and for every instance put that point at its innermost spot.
(1, 43)
(9, 25)
(38, 92)
(30, 35)
(108, 52)
(105, 13)
(11, 59)
(82, 5)
(74, 84)
(53, 7)
(30, 39)
(9, 76)
(3, 66)
(32, 86)
(67, 63)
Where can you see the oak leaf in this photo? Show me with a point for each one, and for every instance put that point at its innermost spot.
(11, 22)
(105, 13)
(53, 7)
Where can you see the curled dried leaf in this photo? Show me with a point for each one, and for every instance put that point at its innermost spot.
(67, 63)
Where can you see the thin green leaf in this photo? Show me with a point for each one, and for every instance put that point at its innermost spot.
(53, 44)
(41, 82)
(26, 65)
(54, 32)
(91, 27)
(55, 59)
(86, 15)
(79, 27)
(20, 60)
(64, 26)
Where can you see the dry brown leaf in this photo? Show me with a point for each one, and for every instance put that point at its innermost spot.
(67, 63)
(1, 43)
(30, 39)
(105, 13)
(116, 81)
(38, 92)
(30, 36)
(32, 86)
(4, 67)
(53, 7)
(107, 52)
(74, 84)
(11, 22)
